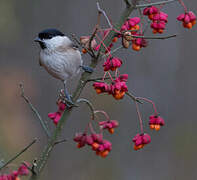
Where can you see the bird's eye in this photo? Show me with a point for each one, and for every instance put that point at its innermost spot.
(45, 36)
(49, 36)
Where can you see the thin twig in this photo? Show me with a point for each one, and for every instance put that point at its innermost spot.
(43, 123)
(112, 52)
(60, 141)
(89, 105)
(18, 154)
(139, 116)
(91, 39)
(104, 113)
(149, 101)
(133, 97)
(99, 79)
(153, 37)
(128, 4)
(94, 33)
(154, 4)
(104, 14)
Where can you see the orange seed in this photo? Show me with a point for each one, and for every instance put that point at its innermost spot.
(79, 145)
(98, 91)
(84, 51)
(119, 95)
(136, 47)
(115, 39)
(135, 147)
(189, 25)
(137, 27)
(193, 22)
(95, 146)
(157, 127)
(152, 126)
(155, 31)
(111, 130)
(104, 153)
(150, 16)
(160, 31)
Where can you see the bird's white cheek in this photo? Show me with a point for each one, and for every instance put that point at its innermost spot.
(55, 42)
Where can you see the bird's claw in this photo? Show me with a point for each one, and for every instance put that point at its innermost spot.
(69, 103)
(67, 99)
(87, 69)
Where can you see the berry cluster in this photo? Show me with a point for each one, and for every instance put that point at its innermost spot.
(138, 43)
(112, 63)
(140, 140)
(16, 174)
(150, 11)
(117, 88)
(109, 125)
(188, 19)
(101, 87)
(132, 24)
(155, 122)
(129, 28)
(159, 19)
(101, 146)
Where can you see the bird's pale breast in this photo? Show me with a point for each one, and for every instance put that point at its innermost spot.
(61, 64)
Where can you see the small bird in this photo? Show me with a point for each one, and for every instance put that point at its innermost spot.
(59, 56)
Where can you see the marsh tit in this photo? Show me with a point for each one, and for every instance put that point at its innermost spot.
(59, 56)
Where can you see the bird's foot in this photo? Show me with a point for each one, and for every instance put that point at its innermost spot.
(69, 103)
(87, 69)
(67, 99)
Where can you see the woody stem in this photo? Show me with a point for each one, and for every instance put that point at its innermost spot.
(89, 105)
(103, 112)
(149, 101)
(139, 116)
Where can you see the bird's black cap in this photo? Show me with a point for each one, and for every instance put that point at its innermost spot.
(49, 33)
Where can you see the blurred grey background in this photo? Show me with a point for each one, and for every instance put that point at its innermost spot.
(165, 71)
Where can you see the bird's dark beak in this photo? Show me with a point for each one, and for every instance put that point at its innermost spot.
(41, 42)
(37, 39)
